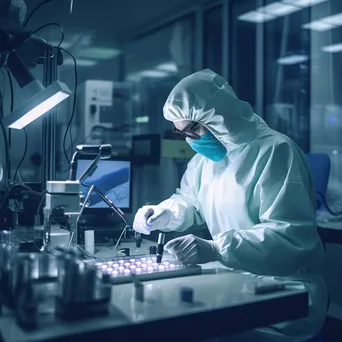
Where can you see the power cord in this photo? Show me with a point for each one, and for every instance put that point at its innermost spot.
(7, 164)
(25, 23)
(52, 24)
(59, 44)
(13, 186)
(3, 89)
(22, 158)
(11, 89)
(73, 108)
(11, 109)
(10, 136)
(75, 68)
(41, 202)
(68, 129)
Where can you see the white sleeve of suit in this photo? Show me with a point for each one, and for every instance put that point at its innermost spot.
(182, 204)
(285, 241)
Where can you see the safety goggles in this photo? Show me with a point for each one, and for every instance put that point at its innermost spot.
(188, 132)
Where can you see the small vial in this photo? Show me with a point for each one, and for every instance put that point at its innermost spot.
(139, 292)
(187, 295)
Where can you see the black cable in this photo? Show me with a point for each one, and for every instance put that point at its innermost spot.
(3, 91)
(12, 107)
(9, 191)
(9, 142)
(331, 212)
(73, 108)
(10, 137)
(34, 11)
(6, 168)
(52, 24)
(11, 89)
(6, 141)
(41, 202)
(22, 158)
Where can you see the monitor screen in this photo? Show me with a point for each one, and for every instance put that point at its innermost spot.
(112, 177)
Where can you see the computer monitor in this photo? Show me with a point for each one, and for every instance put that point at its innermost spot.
(112, 177)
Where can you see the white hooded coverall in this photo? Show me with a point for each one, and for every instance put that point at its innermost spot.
(258, 202)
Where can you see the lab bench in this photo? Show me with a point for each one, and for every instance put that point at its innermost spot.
(224, 303)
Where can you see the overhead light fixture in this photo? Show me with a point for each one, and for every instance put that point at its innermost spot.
(335, 20)
(256, 17)
(153, 73)
(325, 23)
(39, 100)
(142, 119)
(133, 77)
(102, 53)
(303, 3)
(80, 62)
(292, 59)
(169, 67)
(333, 48)
(318, 25)
(279, 9)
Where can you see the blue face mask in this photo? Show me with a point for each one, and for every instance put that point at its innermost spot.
(209, 147)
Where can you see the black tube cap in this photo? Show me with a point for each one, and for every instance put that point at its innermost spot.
(153, 249)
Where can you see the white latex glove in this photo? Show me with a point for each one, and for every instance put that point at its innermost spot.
(150, 218)
(191, 249)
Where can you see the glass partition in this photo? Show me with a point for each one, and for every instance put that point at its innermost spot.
(212, 40)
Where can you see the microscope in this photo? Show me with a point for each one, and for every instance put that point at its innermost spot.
(63, 197)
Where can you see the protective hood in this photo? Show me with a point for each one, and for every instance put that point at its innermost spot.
(207, 98)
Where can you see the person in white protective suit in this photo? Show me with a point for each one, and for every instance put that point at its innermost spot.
(253, 188)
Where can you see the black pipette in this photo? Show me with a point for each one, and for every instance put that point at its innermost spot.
(161, 238)
(160, 247)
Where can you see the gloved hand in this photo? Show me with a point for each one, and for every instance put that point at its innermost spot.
(150, 218)
(191, 249)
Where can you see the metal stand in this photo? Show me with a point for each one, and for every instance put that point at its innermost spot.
(49, 122)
